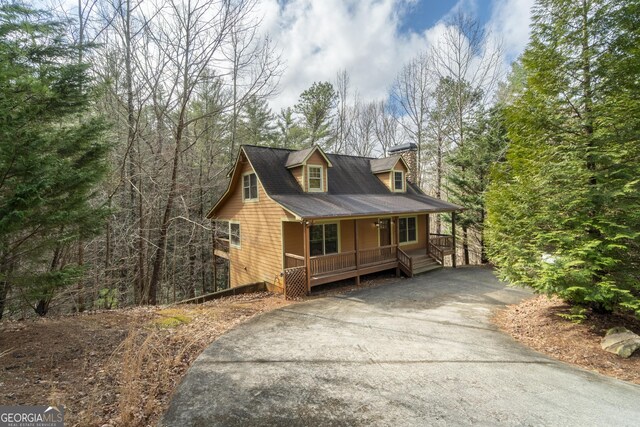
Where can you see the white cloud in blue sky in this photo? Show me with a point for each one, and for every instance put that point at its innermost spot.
(372, 39)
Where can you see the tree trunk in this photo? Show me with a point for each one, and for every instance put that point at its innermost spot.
(164, 228)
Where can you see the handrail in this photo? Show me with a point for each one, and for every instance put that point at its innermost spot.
(376, 255)
(330, 255)
(323, 264)
(293, 260)
(405, 259)
(221, 244)
(436, 252)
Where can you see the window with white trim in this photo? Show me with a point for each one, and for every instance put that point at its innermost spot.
(323, 239)
(408, 229)
(234, 234)
(315, 177)
(398, 181)
(222, 230)
(250, 186)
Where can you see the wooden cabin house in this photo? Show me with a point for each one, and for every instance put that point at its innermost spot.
(298, 219)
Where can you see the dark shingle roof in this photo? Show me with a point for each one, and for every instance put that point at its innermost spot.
(297, 157)
(385, 164)
(403, 147)
(353, 188)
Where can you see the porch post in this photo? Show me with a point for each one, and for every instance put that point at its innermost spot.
(428, 232)
(305, 236)
(453, 238)
(397, 239)
(355, 247)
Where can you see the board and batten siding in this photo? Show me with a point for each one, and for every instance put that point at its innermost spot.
(259, 258)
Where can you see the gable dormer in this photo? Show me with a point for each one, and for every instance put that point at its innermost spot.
(310, 168)
(392, 171)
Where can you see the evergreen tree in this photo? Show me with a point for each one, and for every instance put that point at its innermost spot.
(256, 123)
(315, 107)
(470, 165)
(51, 156)
(564, 210)
(289, 134)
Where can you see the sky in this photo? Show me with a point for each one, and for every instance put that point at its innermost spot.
(373, 39)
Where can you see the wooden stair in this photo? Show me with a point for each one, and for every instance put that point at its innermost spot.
(424, 263)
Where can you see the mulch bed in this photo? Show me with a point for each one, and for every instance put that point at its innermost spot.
(537, 323)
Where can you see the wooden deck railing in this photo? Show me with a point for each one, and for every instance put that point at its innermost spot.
(376, 255)
(405, 259)
(334, 263)
(436, 252)
(441, 240)
(440, 245)
(293, 260)
(221, 245)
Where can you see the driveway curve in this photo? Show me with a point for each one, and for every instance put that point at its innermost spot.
(414, 352)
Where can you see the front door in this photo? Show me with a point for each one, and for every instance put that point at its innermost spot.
(384, 228)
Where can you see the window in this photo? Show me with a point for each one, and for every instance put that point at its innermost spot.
(398, 181)
(315, 178)
(408, 230)
(323, 239)
(234, 234)
(222, 230)
(249, 187)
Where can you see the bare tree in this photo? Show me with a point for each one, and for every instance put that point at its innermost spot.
(412, 92)
(343, 122)
(386, 126)
(362, 141)
(467, 60)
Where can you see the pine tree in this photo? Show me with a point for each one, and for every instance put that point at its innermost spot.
(51, 156)
(564, 210)
(256, 123)
(315, 107)
(470, 165)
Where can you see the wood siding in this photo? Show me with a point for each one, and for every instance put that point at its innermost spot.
(422, 235)
(316, 159)
(293, 238)
(387, 177)
(259, 258)
(298, 174)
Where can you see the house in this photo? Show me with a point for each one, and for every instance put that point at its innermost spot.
(298, 219)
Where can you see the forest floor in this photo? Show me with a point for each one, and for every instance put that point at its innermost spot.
(537, 323)
(116, 367)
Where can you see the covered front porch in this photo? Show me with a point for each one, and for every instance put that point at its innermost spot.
(338, 249)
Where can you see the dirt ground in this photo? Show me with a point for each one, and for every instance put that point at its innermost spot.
(537, 323)
(114, 367)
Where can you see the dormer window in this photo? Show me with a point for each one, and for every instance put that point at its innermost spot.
(249, 187)
(315, 178)
(398, 181)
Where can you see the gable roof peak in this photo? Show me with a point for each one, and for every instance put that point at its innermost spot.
(385, 164)
(300, 157)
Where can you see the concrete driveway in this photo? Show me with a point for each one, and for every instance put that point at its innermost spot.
(416, 352)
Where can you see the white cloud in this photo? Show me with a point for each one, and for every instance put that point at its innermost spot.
(319, 38)
(510, 21)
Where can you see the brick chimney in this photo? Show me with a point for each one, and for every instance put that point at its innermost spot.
(409, 153)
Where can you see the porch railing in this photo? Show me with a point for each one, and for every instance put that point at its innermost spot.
(440, 245)
(441, 240)
(376, 255)
(221, 245)
(334, 263)
(293, 260)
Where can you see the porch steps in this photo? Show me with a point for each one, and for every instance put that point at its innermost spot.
(424, 263)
